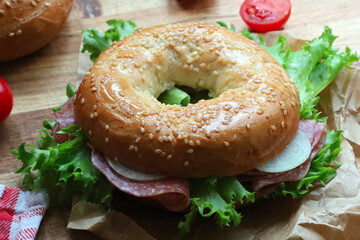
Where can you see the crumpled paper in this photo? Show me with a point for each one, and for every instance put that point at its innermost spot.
(331, 212)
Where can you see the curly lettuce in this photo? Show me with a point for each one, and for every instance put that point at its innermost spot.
(63, 169)
(96, 42)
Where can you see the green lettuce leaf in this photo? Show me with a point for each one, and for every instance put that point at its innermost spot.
(63, 169)
(96, 42)
(224, 25)
(174, 96)
(312, 68)
(245, 32)
(216, 196)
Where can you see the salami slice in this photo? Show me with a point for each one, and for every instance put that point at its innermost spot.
(64, 117)
(172, 193)
(264, 182)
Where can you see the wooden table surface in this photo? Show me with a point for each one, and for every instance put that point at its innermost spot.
(38, 81)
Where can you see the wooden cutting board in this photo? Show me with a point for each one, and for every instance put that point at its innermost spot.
(38, 81)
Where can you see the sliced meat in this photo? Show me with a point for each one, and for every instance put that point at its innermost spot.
(64, 117)
(172, 193)
(264, 182)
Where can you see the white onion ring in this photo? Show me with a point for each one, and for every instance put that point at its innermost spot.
(295, 153)
(131, 173)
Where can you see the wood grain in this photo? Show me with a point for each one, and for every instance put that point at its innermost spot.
(38, 81)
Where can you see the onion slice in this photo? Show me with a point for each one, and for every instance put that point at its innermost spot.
(131, 173)
(295, 153)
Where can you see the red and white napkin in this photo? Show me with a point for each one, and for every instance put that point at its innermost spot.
(20, 213)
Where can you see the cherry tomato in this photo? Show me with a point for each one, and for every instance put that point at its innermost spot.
(265, 15)
(6, 100)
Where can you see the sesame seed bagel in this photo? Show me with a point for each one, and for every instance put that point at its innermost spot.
(27, 25)
(253, 115)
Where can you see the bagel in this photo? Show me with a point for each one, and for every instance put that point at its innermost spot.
(27, 25)
(253, 114)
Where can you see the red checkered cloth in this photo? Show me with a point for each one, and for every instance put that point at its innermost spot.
(20, 213)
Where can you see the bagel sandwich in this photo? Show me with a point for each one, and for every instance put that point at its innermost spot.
(256, 133)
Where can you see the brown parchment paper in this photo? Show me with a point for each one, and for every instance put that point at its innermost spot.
(331, 212)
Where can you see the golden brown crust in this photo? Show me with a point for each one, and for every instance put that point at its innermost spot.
(27, 25)
(254, 115)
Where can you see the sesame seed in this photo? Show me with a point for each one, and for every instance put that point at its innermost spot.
(260, 112)
(170, 139)
(273, 127)
(186, 163)
(157, 151)
(107, 140)
(194, 129)
(157, 129)
(186, 141)
(8, 4)
(226, 143)
(142, 130)
(95, 114)
(285, 112)
(191, 143)
(160, 139)
(163, 154)
(142, 122)
(107, 127)
(169, 156)
(136, 149)
(198, 142)
(207, 134)
(11, 34)
(151, 136)
(91, 115)
(190, 150)
(95, 107)
(282, 124)
(227, 107)
(93, 89)
(47, 4)
(18, 32)
(248, 126)
(138, 139)
(165, 138)
(33, 3)
(90, 133)
(131, 147)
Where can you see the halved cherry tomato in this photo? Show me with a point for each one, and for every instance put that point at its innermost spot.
(265, 15)
(6, 100)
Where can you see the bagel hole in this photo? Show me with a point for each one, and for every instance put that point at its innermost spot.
(183, 95)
